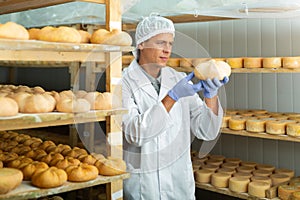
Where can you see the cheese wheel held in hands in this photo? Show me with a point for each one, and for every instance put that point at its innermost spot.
(212, 69)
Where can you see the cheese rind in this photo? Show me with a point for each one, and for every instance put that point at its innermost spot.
(258, 189)
(238, 184)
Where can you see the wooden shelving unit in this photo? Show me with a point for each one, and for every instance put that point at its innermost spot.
(94, 59)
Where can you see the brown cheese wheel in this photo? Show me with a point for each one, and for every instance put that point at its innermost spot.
(261, 172)
(226, 170)
(229, 165)
(245, 169)
(293, 129)
(225, 121)
(275, 127)
(213, 162)
(248, 164)
(233, 160)
(288, 172)
(238, 184)
(243, 175)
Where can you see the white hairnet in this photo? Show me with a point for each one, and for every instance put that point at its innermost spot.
(150, 27)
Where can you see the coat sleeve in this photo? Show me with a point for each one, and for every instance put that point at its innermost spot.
(140, 128)
(204, 123)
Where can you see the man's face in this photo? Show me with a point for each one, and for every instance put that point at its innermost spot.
(156, 50)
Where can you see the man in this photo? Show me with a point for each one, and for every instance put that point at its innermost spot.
(164, 109)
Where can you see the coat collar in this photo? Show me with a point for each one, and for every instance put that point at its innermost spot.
(167, 81)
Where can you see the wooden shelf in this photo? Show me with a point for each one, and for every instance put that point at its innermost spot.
(26, 121)
(226, 191)
(264, 70)
(10, 6)
(33, 50)
(28, 191)
(260, 135)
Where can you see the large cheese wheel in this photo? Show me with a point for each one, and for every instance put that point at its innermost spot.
(258, 189)
(291, 62)
(255, 125)
(210, 167)
(245, 169)
(8, 107)
(237, 123)
(279, 178)
(252, 62)
(285, 191)
(242, 174)
(275, 127)
(203, 175)
(212, 69)
(12, 30)
(272, 62)
(236, 161)
(293, 129)
(226, 170)
(220, 180)
(238, 184)
(248, 164)
(261, 172)
(225, 121)
(266, 167)
(114, 37)
(262, 179)
(288, 172)
(214, 162)
(229, 165)
(235, 62)
(9, 179)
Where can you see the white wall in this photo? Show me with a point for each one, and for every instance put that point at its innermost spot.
(270, 91)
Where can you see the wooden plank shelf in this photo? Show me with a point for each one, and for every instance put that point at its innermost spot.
(226, 191)
(28, 191)
(264, 70)
(26, 121)
(260, 135)
(10, 6)
(33, 50)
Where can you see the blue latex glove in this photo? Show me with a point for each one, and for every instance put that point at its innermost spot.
(183, 88)
(211, 86)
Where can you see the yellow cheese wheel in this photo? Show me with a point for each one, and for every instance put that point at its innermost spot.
(233, 160)
(226, 170)
(293, 129)
(285, 191)
(213, 162)
(245, 169)
(252, 62)
(235, 62)
(210, 167)
(255, 125)
(217, 157)
(243, 175)
(261, 172)
(262, 179)
(237, 123)
(230, 165)
(275, 127)
(220, 180)
(258, 189)
(289, 172)
(231, 112)
(279, 178)
(225, 121)
(248, 164)
(173, 62)
(262, 116)
(272, 62)
(291, 62)
(258, 111)
(203, 175)
(265, 167)
(212, 69)
(238, 184)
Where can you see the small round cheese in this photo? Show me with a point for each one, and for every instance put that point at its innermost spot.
(229, 165)
(213, 162)
(203, 175)
(258, 189)
(293, 129)
(285, 191)
(235, 62)
(252, 62)
(262, 179)
(261, 172)
(265, 167)
(290, 62)
(243, 175)
(279, 178)
(245, 169)
(226, 170)
(236, 161)
(238, 184)
(289, 172)
(275, 127)
(217, 157)
(249, 164)
(237, 123)
(255, 125)
(272, 62)
(220, 180)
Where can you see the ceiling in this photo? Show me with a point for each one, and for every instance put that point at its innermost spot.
(134, 10)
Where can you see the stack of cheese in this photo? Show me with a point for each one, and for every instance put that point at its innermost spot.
(23, 99)
(262, 121)
(239, 176)
(49, 165)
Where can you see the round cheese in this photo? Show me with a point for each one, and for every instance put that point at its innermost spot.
(288, 172)
(252, 62)
(235, 62)
(203, 175)
(186, 62)
(275, 127)
(261, 172)
(229, 165)
(293, 129)
(255, 125)
(262, 179)
(258, 189)
(217, 157)
(238, 184)
(212, 69)
(272, 62)
(213, 162)
(265, 167)
(210, 167)
(226, 170)
(279, 178)
(248, 164)
(243, 175)
(237, 123)
(290, 62)
(220, 180)
(245, 169)
(236, 161)
(285, 191)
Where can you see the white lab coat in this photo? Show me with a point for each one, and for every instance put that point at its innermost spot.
(157, 143)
